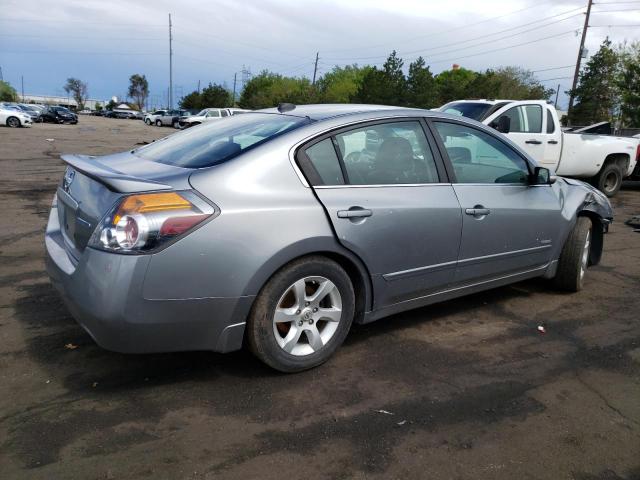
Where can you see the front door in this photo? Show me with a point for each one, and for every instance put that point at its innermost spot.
(526, 127)
(381, 187)
(508, 226)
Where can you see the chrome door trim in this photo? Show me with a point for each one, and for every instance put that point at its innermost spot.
(416, 271)
(512, 253)
(386, 185)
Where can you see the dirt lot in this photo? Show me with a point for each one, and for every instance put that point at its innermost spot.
(474, 391)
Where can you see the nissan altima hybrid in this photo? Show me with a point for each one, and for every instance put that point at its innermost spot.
(278, 229)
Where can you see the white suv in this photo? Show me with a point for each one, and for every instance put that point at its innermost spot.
(209, 114)
(150, 118)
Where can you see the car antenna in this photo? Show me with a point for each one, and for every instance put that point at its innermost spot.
(286, 107)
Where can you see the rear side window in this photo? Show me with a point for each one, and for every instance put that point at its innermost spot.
(224, 113)
(551, 127)
(216, 142)
(325, 161)
(524, 119)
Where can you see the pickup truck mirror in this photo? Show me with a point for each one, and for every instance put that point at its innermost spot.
(542, 176)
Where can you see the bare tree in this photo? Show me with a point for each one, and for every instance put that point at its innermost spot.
(78, 89)
(138, 89)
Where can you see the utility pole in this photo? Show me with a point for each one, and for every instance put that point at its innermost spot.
(235, 78)
(22, 86)
(170, 66)
(577, 72)
(315, 69)
(198, 87)
(555, 104)
(1, 79)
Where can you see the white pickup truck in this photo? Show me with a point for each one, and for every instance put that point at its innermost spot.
(604, 160)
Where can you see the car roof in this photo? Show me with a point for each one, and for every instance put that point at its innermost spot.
(326, 111)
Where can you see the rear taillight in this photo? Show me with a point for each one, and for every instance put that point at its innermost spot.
(143, 223)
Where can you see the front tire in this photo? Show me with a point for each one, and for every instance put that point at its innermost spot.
(609, 180)
(13, 122)
(574, 259)
(158, 123)
(302, 315)
(147, 121)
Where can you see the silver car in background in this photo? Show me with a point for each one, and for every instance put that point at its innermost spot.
(280, 228)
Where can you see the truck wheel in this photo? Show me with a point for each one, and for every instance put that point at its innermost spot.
(609, 180)
(302, 314)
(574, 258)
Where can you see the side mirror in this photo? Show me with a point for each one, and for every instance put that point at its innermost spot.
(542, 176)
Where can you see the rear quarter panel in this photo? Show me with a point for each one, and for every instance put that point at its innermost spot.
(584, 154)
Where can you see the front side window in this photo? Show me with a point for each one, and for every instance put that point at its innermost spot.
(217, 142)
(478, 157)
(387, 154)
(524, 119)
(213, 113)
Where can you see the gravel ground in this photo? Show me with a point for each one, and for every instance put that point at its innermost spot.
(467, 389)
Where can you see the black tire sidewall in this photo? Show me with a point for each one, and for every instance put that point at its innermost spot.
(10, 121)
(261, 338)
(608, 169)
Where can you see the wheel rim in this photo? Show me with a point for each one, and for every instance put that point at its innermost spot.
(13, 122)
(307, 316)
(584, 261)
(611, 181)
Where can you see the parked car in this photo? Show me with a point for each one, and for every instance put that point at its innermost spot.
(150, 118)
(207, 115)
(56, 114)
(13, 117)
(282, 227)
(31, 111)
(110, 114)
(603, 160)
(170, 118)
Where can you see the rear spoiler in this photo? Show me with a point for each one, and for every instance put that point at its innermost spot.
(112, 179)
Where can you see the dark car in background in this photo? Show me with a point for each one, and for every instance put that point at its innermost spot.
(56, 114)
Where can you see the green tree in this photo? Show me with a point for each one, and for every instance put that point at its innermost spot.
(215, 95)
(597, 92)
(78, 89)
(454, 84)
(98, 107)
(269, 89)
(386, 86)
(110, 105)
(138, 89)
(192, 101)
(629, 85)
(341, 84)
(7, 92)
(421, 86)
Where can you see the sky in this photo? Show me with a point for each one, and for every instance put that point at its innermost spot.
(104, 42)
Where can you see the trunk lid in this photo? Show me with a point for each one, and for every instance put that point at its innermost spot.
(91, 186)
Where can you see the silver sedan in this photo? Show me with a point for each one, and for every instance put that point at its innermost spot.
(279, 228)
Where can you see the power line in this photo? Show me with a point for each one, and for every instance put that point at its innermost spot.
(84, 37)
(552, 68)
(616, 26)
(466, 26)
(58, 52)
(555, 78)
(481, 37)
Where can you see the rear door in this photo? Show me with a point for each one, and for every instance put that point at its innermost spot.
(509, 227)
(387, 196)
(527, 119)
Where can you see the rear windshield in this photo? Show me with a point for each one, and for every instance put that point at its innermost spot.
(216, 142)
(476, 111)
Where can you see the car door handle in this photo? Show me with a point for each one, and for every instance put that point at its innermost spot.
(477, 212)
(533, 142)
(553, 142)
(354, 212)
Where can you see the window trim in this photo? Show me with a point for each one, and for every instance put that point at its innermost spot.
(302, 162)
(447, 161)
(550, 117)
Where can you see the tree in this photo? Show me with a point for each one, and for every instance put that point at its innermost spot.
(7, 92)
(110, 105)
(597, 92)
(387, 86)
(454, 84)
(341, 84)
(422, 91)
(629, 85)
(138, 89)
(98, 107)
(78, 89)
(269, 89)
(192, 101)
(215, 96)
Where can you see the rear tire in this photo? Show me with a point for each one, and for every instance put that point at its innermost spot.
(291, 330)
(609, 180)
(147, 121)
(574, 259)
(158, 123)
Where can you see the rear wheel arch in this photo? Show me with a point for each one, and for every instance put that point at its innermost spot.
(353, 266)
(620, 159)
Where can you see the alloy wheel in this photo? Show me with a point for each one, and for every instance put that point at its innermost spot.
(13, 122)
(584, 260)
(307, 315)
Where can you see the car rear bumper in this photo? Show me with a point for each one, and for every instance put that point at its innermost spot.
(103, 292)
